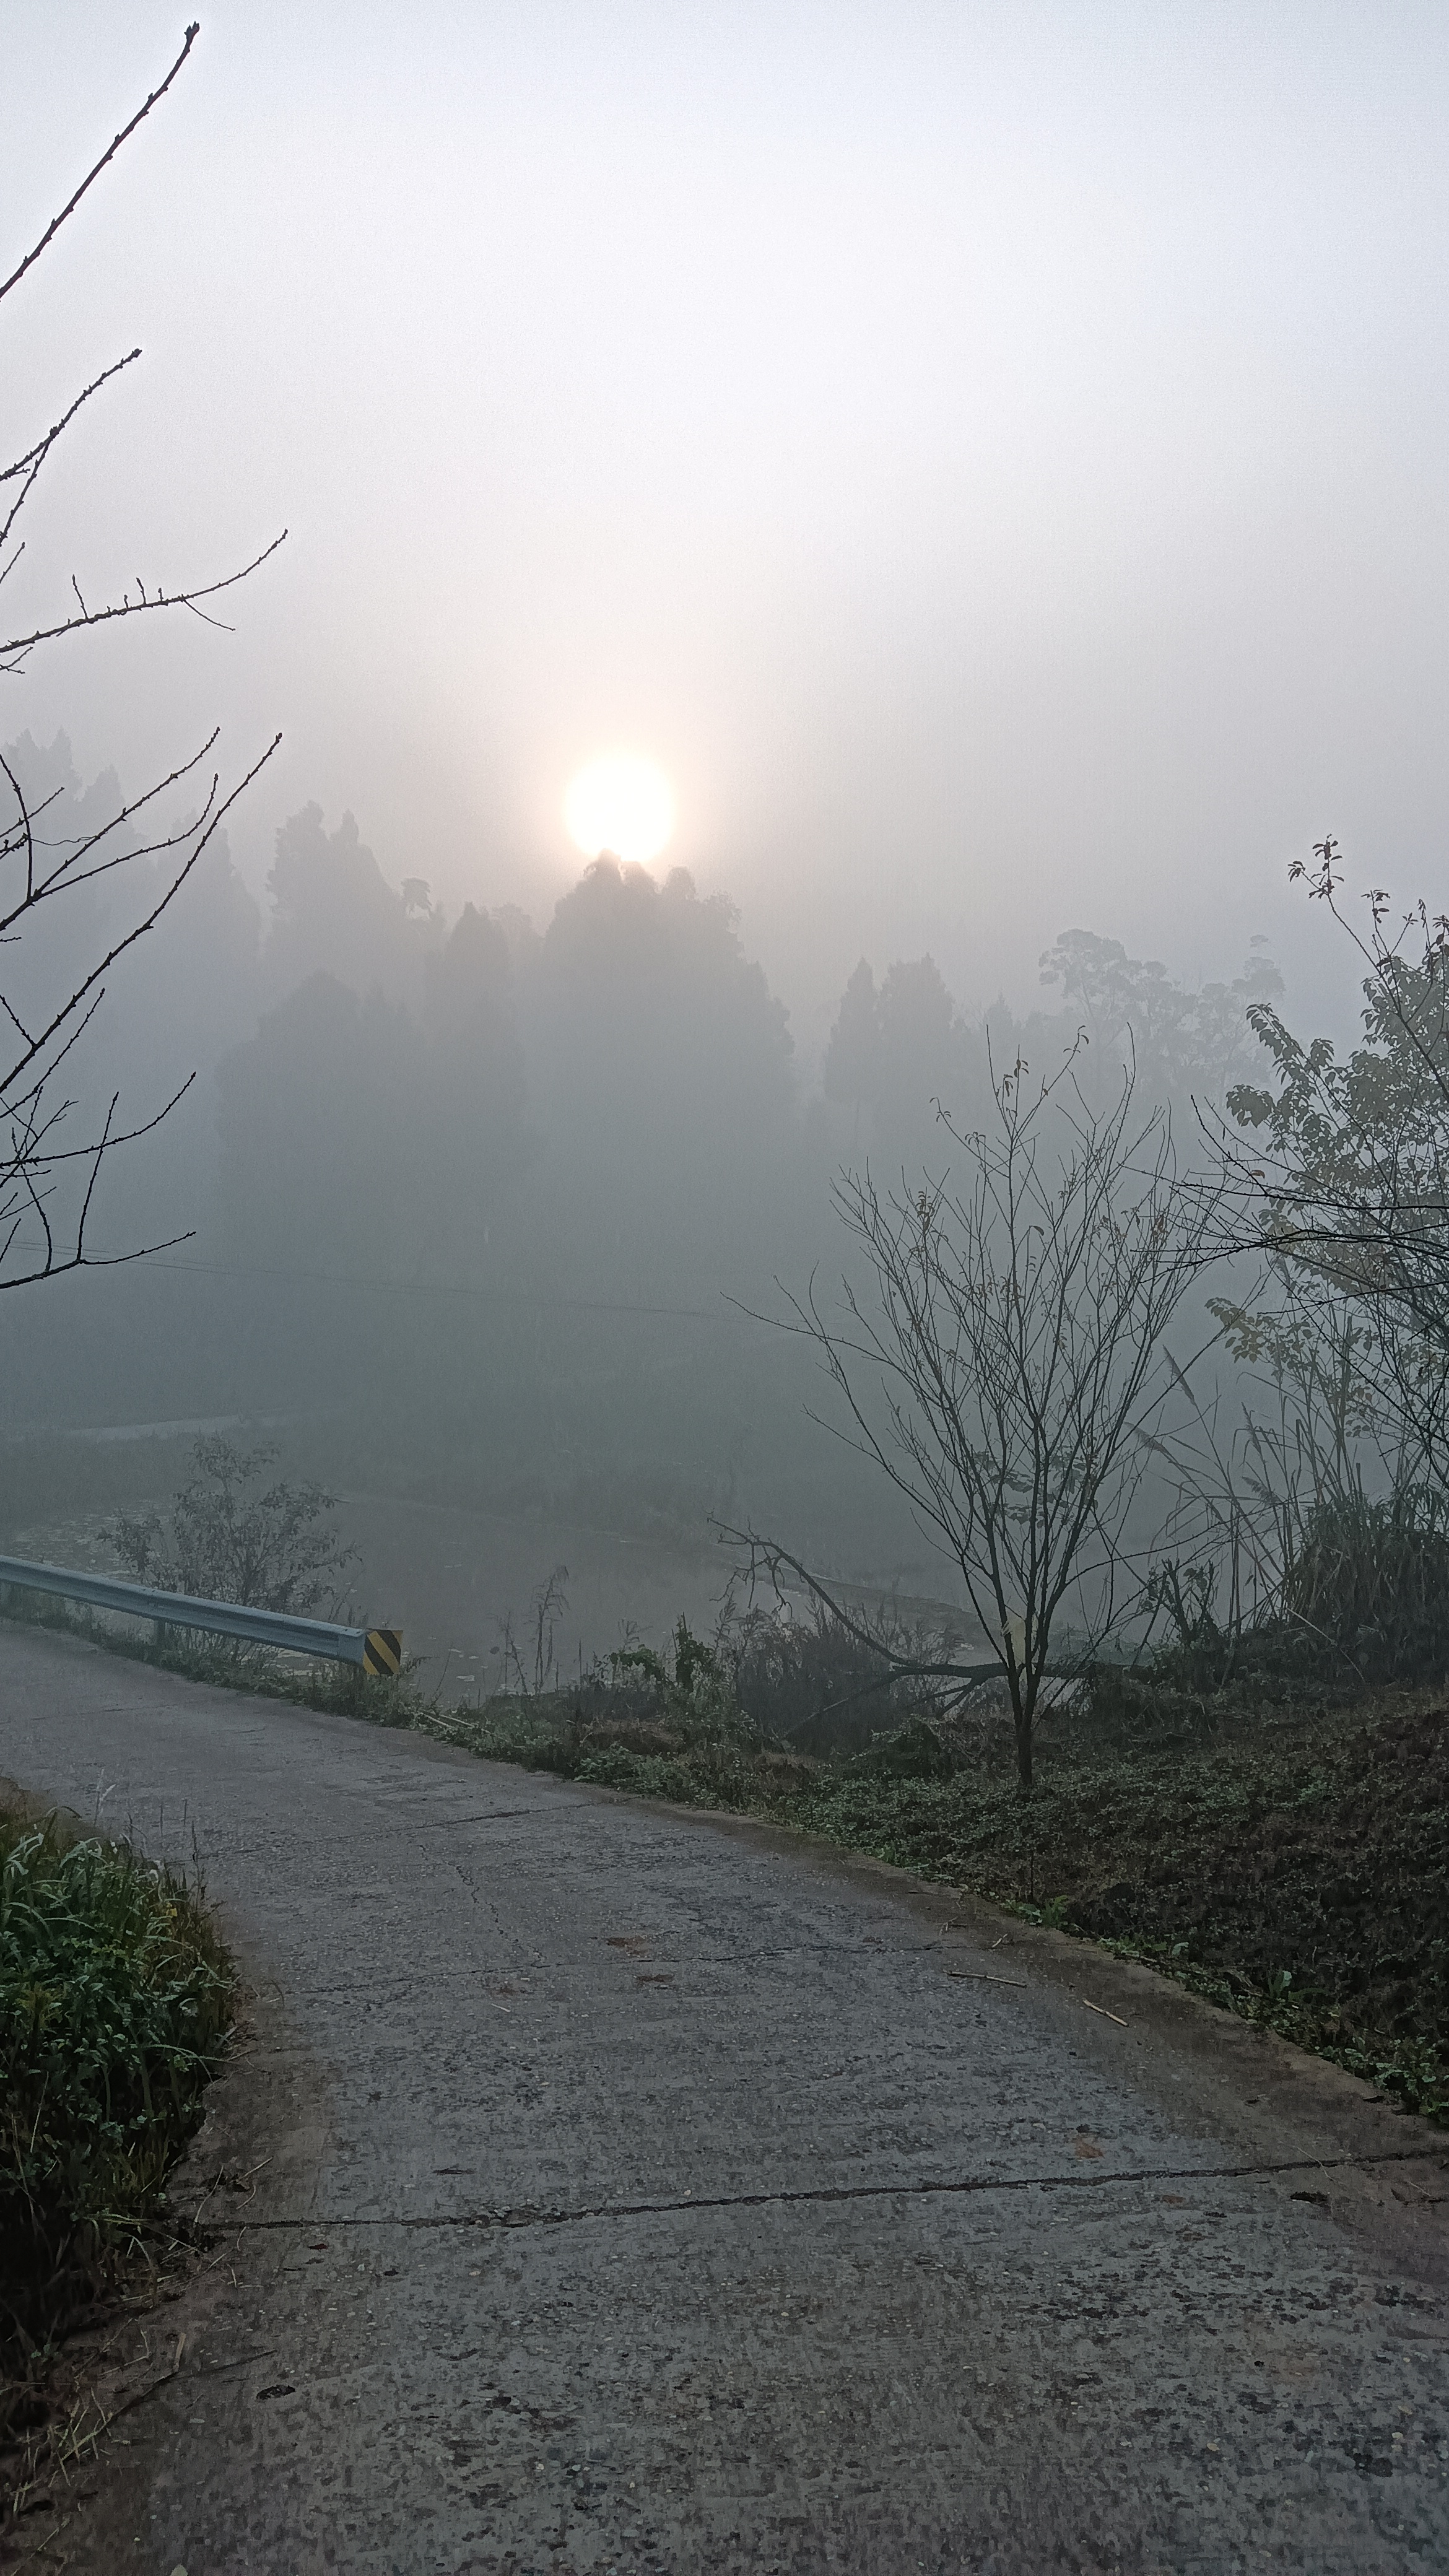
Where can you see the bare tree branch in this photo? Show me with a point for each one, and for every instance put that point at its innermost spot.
(15, 648)
(67, 210)
(30, 464)
(198, 839)
(767, 1554)
(37, 1242)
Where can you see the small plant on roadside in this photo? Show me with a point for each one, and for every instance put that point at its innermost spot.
(691, 1688)
(707, 1746)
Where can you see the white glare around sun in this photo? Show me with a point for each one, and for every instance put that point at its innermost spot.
(621, 804)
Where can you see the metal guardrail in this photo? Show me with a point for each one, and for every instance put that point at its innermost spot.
(378, 1650)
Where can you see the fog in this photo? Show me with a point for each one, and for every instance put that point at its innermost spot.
(989, 458)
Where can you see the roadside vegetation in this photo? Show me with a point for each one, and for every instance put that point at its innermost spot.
(1246, 1812)
(116, 2004)
(1275, 1839)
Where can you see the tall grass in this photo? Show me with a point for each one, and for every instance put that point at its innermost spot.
(116, 1998)
(1374, 1578)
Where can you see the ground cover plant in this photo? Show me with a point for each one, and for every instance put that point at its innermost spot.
(1295, 1874)
(1277, 1839)
(116, 2003)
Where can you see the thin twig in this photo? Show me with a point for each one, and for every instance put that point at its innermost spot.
(53, 227)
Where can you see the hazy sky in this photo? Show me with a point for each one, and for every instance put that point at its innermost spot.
(992, 457)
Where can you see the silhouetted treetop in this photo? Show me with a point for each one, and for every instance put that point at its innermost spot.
(894, 1052)
(333, 910)
(917, 1021)
(469, 982)
(1183, 1039)
(322, 1119)
(653, 1017)
(475, 1059)
(853, 1053)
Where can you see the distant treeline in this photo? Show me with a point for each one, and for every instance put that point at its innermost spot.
(607, 1111)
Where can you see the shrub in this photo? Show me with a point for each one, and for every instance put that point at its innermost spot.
(813, 1682)
(914, 1752)
(232, 1537)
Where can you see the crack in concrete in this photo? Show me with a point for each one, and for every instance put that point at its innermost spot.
(828, 2195)
(493, 1816)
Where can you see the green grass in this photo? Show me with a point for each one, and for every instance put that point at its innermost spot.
(116, 1998)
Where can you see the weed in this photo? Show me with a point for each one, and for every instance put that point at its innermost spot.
(1295, 1870)
(1374, 1577)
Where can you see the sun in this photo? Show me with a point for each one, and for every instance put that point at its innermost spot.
(623, 804)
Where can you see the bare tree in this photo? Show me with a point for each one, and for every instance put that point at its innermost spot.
(42, 1220)
(1008, 1360)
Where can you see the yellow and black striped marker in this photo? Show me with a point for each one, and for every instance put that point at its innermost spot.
(382, 1652)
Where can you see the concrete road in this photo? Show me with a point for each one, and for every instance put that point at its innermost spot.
(646, 2193)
